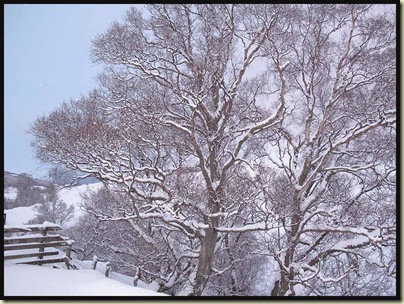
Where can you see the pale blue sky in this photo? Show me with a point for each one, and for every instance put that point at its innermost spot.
(47, 61)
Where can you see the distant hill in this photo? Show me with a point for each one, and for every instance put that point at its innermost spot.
(10, 180)
(86, 181)
(21, 209)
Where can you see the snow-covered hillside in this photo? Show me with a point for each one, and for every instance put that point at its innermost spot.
(10, 193)
(71, 196)
(27, 280)
(20, 216)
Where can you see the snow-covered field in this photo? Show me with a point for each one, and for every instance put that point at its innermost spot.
(28, 280)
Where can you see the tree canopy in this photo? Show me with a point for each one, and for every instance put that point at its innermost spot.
(238, 137)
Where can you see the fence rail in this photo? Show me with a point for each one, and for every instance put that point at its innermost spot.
(101, 266)
(19, 247)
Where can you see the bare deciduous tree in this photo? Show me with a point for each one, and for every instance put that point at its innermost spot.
(53, 209)
(215, 121)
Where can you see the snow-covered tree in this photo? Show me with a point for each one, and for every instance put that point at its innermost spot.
(213, 122)
(336, 148)
(53, 209)
(27, 193)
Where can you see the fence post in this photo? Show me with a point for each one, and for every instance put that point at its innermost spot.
(95, 260)
(136, 277)
(69, 251)
(107, 269)
(41, 248)
(68, 255)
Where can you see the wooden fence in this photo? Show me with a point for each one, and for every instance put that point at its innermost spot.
(36, 249)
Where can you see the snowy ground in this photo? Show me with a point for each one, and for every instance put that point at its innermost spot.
(20, 216)
(28, 280)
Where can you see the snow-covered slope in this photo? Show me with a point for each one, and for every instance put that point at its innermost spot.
(20, 216)
(27, 280)
(71, 196)
(10, 193)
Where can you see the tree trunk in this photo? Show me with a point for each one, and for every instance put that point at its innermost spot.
(283, 285)
(204, 270)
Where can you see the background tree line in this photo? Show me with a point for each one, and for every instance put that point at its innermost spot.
(42, 194)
